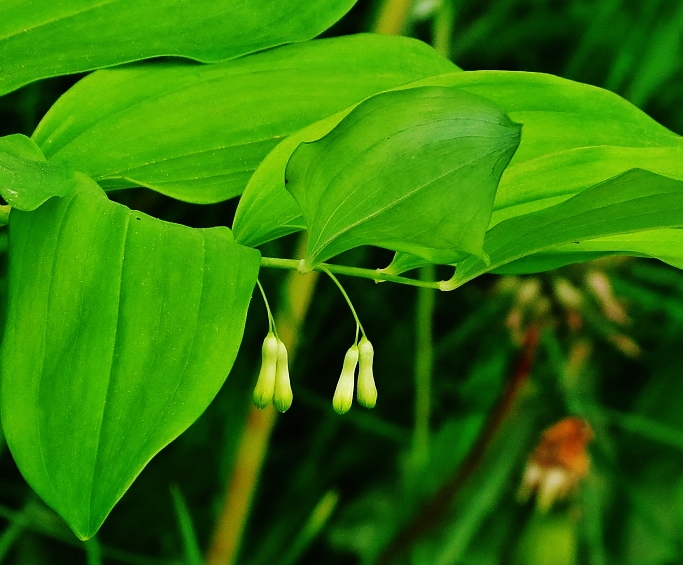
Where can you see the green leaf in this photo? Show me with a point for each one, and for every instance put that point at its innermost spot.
(663, 244)
(575, 136)
(628, 214)
(402, 263)
(266, 209)
(197, 132)
(413, 170)
(46, 38)
(26, 178)
(120, 331)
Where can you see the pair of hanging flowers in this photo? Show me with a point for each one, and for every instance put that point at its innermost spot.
(361, 355)
(273, 384)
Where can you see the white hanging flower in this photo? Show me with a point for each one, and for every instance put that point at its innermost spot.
(265, 383)
(282, 395)
(343, 394)
(367, 391)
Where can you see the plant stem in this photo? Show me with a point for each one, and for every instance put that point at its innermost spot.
(373, 274)
(392, 17)
(348, 300)
(433, 511)
(442, 28)
(271, 321)
(93, 551)
(424, 361)
(7, 539)
(253, 445)
(193, 555)
(315, 523)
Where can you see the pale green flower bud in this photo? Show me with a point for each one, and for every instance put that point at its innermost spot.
(282, 396)
(343, 395)
(265, 383)
(367, 391)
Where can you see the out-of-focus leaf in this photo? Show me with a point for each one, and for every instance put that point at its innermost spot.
(413, 170)
(193, 554)
(120, 330)
(44, 38)
(26, 178)
(197, 132)
(636, 201)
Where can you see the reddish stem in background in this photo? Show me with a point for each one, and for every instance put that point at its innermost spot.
(434, 510)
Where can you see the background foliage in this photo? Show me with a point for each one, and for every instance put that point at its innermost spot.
(336, 490)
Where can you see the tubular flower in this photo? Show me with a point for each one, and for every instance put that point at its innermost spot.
(282, 395)
(343, 395)
(367, 391)
(265, 383)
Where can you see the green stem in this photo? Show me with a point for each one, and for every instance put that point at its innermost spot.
(348, 301)
(442, 28)
(93, 551)
(424, 361)
(259, 424)
(271, 321)
(392, 17)
(7, 539)
(373, 274)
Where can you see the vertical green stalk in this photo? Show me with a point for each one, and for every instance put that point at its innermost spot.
(93, 552)
(193, 555)
(253, 446)
(9, 537)
(315, 523)
(392, 16)
(424, 361)
(442, 28)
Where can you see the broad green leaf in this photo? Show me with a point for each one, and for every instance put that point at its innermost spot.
(45, 38)
(413, 170)
(26, 178)
(624, 215)
(575, 136)
(663, 244)
(197, 132)
(266, 209)
(120, 330)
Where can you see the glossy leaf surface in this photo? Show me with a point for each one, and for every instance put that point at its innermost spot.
(46, 38)
(120, 331)
(413, 170)
(26, 178)
(664, 244)
(197, 132)
(574, 137)
(633, 213)
(266, 209)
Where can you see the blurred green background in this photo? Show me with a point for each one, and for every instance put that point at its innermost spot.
(430, 475)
